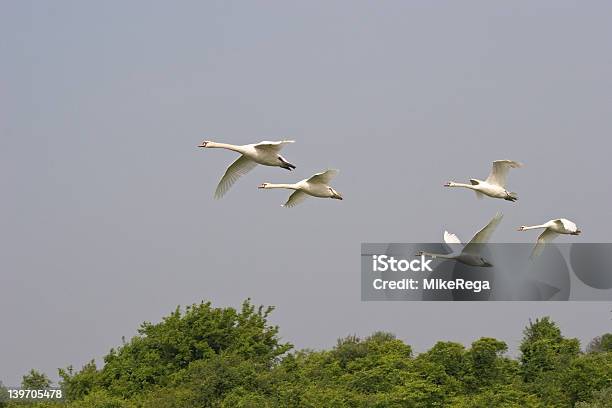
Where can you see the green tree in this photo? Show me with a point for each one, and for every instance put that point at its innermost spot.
(223, 357)
(35, 380)
(587, 374)
(486, 362)
(600, 344)
(77, 385)
(159, 351)
(545, 356)
(3, 395)
(544, 349)
(601, 399)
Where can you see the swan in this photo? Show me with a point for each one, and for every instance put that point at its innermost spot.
(495, 185)
(552, 228)
(265, 153)
(470, 253)
(316, 186)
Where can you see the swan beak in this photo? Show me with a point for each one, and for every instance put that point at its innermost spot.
(203, 144)
(578, 232)
(447, 184)
(487, 264)
(520, 228)
(262, 185)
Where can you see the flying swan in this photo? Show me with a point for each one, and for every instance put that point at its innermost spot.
(552, 229)
(265, 153)
(316, 186)
(495, 185)
(470, 253)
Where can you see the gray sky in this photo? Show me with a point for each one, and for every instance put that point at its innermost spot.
(107, 217)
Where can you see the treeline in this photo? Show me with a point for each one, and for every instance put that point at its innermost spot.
(223, 357)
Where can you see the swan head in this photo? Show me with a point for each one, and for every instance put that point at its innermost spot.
(335, 195)
(204, 143)
(263, 185)
(449, 184)
(522, 228)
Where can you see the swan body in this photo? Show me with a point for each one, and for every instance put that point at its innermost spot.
(316, 186)
(552, 229)
(265, 153)
(495, 185)
(469, 254)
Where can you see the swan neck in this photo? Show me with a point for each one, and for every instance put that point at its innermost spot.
(228, 146)
(445, 256)
(289, 186)
(453, 184)
(535, 227)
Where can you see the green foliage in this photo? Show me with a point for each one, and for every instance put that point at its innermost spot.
(3, 395)
(35, 380)
(600, 344)
(544, 349)
(499, 396)
(601, 399)
(161, 350)
(587, 374)
(222, 357)
(77, 386)
(486, 363)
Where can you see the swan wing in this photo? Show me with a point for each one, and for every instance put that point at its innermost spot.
(295, 198)
(451, 238)
(482, 236)
(566, 224)
(499, 172)
(323, 177)
(544, 238)
(452, 242)
(237, 169)
(272, 146)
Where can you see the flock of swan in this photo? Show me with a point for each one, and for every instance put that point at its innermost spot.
(495, 186)
(267, 154)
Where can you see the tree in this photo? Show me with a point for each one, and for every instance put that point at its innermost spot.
(544, 349)
(35, 380)
(545, 357)
(77, 385)
(3, 395)
(587, 374)
(601, 399)
(600, 344)
(161, 350)
(485, 359)
(222, 357)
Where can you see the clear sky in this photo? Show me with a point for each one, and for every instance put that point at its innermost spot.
(107, 217)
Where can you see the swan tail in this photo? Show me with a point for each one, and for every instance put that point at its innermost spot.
(288, 166)
(512, 196)
(285, 164)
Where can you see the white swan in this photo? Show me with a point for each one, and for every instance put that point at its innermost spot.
(265, 153)
(470, 253)
(495, 185)
(552, 229)
(316, 185)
